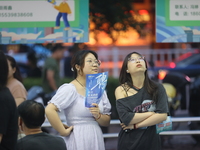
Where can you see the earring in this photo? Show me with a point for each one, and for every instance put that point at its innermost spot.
(127, 71)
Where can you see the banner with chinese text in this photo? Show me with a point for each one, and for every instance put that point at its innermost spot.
(177, 21)
(40, 21)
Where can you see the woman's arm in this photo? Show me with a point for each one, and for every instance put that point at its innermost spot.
(139, 117)
(54, 119)
(102, 119)
(125, 112)
(161, 109)
(1, 136)
(152, 120)
(147, 122)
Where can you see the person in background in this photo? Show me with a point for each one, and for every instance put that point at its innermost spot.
(33, 70)
(67, 62)
(51, 71)
(8, 110)
(70, 98)
(31, 118)
(141, 104)
(14, 83)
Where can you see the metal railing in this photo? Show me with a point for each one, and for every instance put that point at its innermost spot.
(173, 132)
(160, 57)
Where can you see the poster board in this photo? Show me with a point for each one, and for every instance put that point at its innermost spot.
(177, 21)
(36, 21)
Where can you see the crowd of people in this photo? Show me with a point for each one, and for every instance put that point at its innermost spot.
(141, 104)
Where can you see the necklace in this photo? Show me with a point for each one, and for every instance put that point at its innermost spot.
(135, 88)
(80, 83)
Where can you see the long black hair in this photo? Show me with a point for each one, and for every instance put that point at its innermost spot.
(4, 70)
(79, 59)
(125, 78)
(17, 74)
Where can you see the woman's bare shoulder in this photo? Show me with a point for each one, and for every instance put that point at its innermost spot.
(120, 92)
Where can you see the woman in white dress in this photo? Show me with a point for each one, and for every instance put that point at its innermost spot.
(83, 131)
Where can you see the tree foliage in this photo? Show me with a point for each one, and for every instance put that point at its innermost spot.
(114, 15)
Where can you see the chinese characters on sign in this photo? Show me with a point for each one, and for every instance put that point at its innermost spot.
(179, 21)
(5, 7)
(184, 10)
(43, 21)
(95, 86)
(12, 14)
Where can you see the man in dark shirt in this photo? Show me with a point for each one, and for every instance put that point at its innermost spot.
(31, 118)
(8, 110)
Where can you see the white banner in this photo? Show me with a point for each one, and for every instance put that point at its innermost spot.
(33, 11)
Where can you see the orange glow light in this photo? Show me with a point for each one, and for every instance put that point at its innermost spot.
(143, 12)
(110, 65)
(162, 74)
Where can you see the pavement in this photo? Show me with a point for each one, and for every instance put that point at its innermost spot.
(174, 142)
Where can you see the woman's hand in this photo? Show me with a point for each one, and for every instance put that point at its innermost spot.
(65, 126)
(95, 110)
(124, 127)
(68, 130)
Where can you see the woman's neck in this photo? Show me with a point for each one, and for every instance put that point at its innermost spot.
(81, 80)
(10, 79)
(138, 81)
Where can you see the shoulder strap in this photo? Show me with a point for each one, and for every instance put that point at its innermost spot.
(135, 89)
(125, 90)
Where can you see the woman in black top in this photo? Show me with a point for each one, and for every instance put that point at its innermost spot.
(141, 104)
(8, 110)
